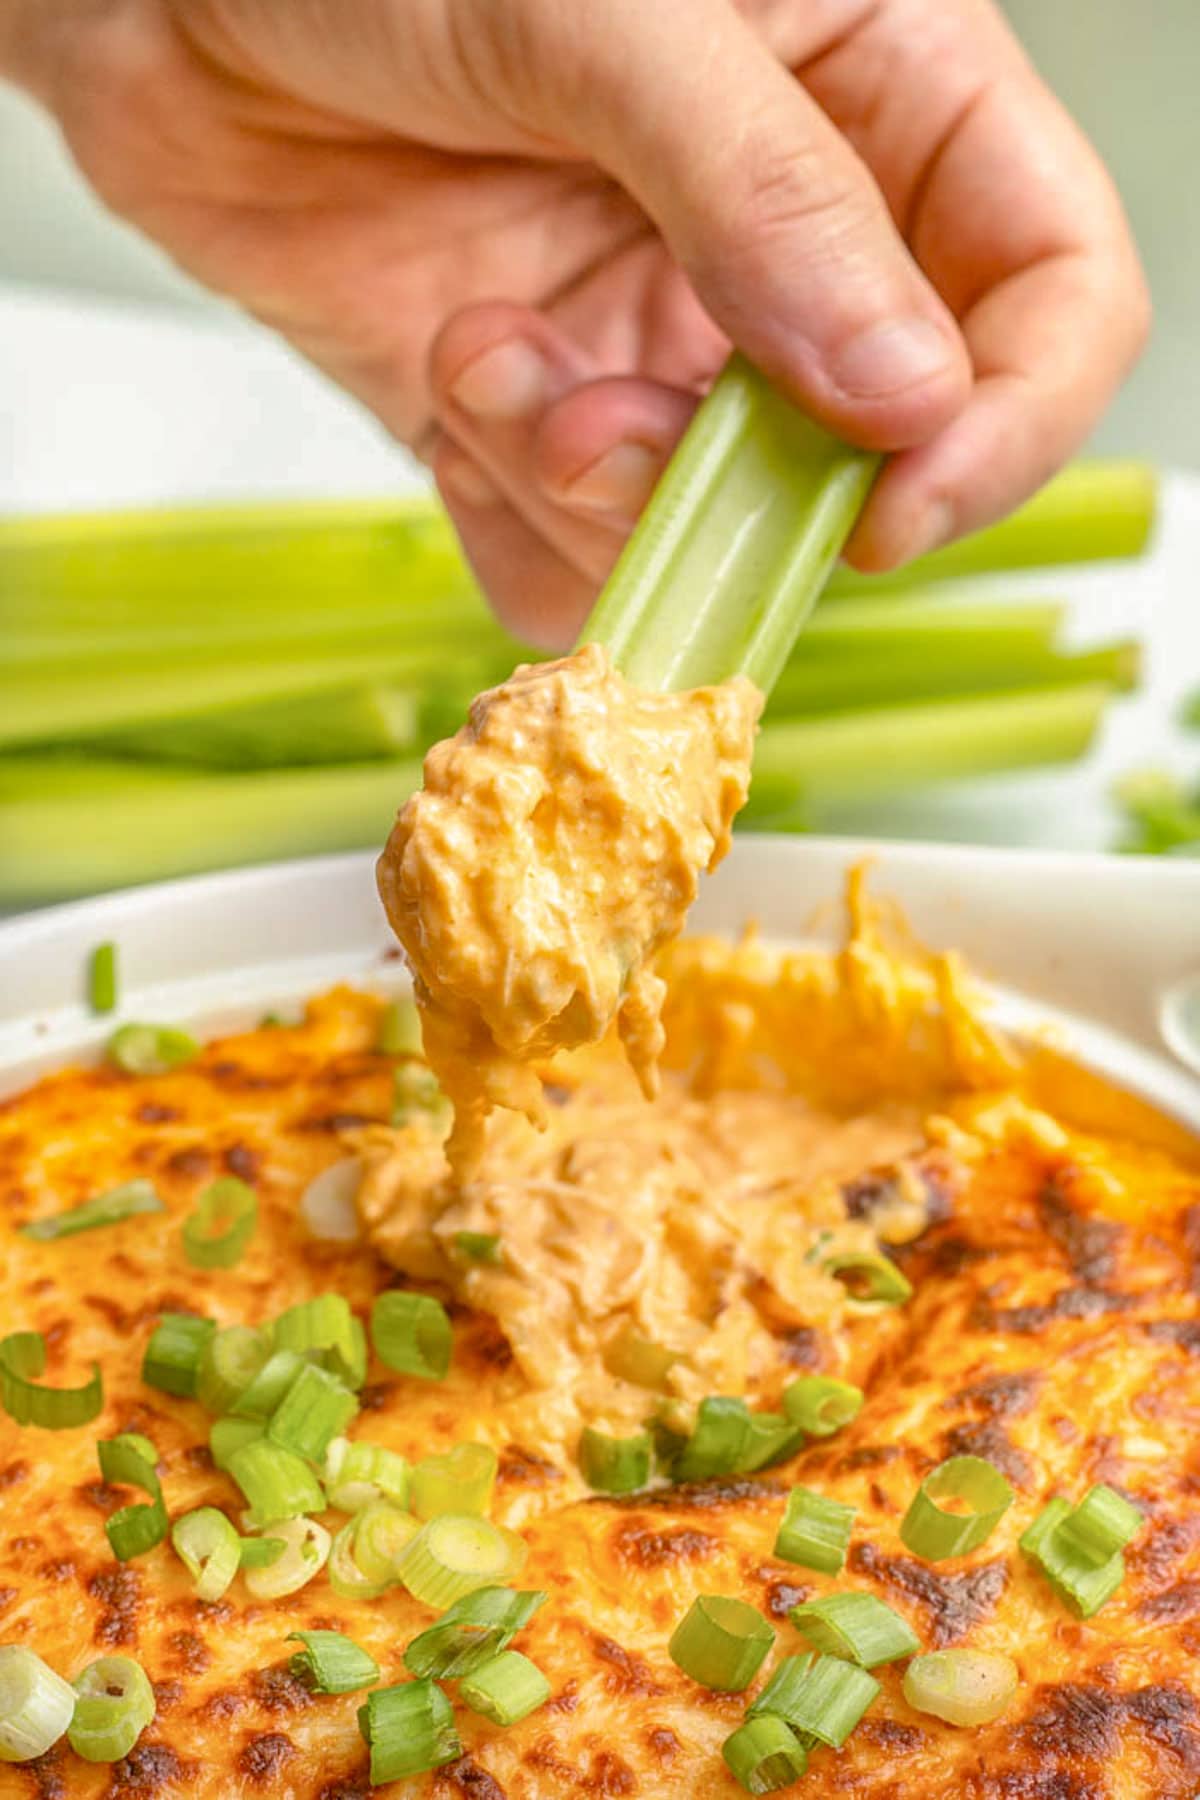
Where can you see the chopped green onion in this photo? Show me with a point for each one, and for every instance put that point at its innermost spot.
(721, 1643)
(259, 1552)
(869, 1277)
(25, 1399)
(1085, 1588)
(102, 978)
(36, 1705)
(1103, 1523)
(461, 1481)
(327, 1327)
(639, 1360)
(262, 1394)
(408, 1729)
(963, 1687)
(382, 1535)
(764, 1755)
(175, 1353)
(151, 1049)
(412, 1333)
(304, 1554)
(820, 1406)
(345, 1577)
(315, 1410)
(457, 1553)
(718, 1442)
(215, 1236)
(135, 1529)
(815, 1531)
(399, 1030)
(327, 1204)
(114, 1704)
(417, 1097)
(109, 1208)
(613, 1465)
(227, 1435)
(355, 1475)
(756, 500)
(331, 1663)
(856, 1626)
(209, 1548)
(772, 1439)
(821, 1697)
(478, 1246)
(979, 1495)
(506, 1689)
(276, 1483)
(471, 1632)
(232, 1358)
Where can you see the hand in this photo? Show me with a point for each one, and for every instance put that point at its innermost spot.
(524, 234)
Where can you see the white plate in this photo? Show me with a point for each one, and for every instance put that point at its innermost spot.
(1103, 950)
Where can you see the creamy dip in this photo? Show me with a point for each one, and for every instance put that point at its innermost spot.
(555, 847)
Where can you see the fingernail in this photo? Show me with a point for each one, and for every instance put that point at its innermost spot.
(506, 382)
(889, 357)
(620, 481)
(467, 482)
(931, 529)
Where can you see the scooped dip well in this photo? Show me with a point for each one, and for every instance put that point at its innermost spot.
(555, 847)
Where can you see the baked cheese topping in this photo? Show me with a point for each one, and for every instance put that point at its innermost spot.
(555, 847)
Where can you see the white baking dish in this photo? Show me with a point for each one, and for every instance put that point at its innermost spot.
(1104, 951)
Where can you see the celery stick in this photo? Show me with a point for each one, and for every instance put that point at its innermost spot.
(890, 748)
(358, 724)
(68, 829)
(1091, 512)
(898, 673)
(732, 551)
(859, 623)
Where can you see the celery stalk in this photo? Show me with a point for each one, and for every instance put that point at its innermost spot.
(897, 673)
(928, 614)
(1091, 512)
(735, 545)
(359, 724)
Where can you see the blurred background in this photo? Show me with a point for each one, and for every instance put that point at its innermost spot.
(124, 385)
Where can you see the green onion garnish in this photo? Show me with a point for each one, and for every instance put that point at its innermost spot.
(345, 1576)
(109, 1208)
(151, 1049)
(718, 1442)
(821, 1697)
(128, 1459)
(36, 1705)
(25, 1399)
(820, 1406)
(175, 1353)
(315, 1410)
(304, 1554)
(209, 1548)
(102, 978)
(478, 1246)
(856, 1626)
(355, 1475)
(1084, 1587)
(399, 1030)
(869, 1277)
(408, 1729)
(1103, 1523)
(721, 1643)
(641, 1361)
(471, 1632)
(412, 1333)
(764, 1755)
(262, 1394)
(227, 1435)
(113, 1706)
(215, 1236)
(979, 1495)
(260, 1552)
(772, 1438)
(382, 1535)
(277, 1484)
(327, 1327)
(613, 1465)
(506, 1689)
(815, 1531)
(230, 1361)
(457, 1553)
(332, 1664)
(964, 1687)
(461, 1481)
(416, 1096)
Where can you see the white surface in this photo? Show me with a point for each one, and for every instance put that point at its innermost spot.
(109, 405)
(1051, 931)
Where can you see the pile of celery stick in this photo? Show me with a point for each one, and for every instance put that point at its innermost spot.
(188, 690)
